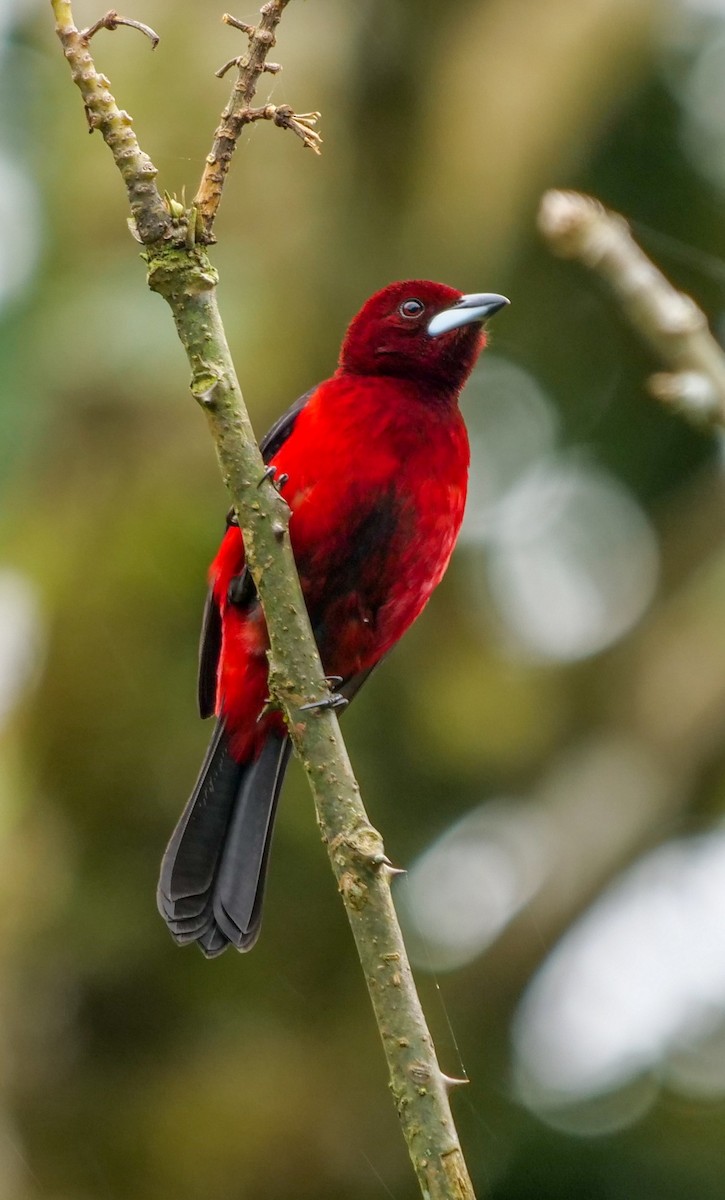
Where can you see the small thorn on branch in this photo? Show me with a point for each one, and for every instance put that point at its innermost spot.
(449, 1082)
(112, 20)
(381, 862)
(391, 871)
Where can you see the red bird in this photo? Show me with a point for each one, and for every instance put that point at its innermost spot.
(373, 464)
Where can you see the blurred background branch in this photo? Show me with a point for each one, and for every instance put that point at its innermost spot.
(579, 227)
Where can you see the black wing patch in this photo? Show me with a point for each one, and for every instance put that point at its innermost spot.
(210, 644)
(280, 431)
(211, 626)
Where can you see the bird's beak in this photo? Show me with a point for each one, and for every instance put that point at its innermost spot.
(469, 310)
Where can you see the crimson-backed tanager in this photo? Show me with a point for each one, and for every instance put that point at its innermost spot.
(373, 464)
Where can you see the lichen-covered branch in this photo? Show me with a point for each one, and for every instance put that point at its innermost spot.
(180, 271)
(239, 112)
(577, 226)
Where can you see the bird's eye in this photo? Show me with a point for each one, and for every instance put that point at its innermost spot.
(411, 308)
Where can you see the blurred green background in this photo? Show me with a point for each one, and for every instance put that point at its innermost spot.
(544, 752)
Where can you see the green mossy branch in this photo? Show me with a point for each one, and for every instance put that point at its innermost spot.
(180, 271)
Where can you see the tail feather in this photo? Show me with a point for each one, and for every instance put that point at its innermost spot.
(213, 872)
(239, 888)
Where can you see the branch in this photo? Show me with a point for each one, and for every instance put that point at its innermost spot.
(239, 113)
(181, 272)
(150, 215)
(579, 227)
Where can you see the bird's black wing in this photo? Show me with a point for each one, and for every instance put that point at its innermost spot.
(282, 428)
(211, 626)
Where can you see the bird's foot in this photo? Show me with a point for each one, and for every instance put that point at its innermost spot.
(333, 701)
(278, 481)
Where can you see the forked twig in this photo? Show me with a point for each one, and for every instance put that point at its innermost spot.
(239, 112)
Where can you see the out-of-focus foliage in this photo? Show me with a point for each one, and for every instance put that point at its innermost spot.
(544, 751)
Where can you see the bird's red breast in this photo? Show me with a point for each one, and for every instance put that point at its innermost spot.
(377, 478)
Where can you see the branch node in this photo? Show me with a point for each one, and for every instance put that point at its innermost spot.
(420, 1073)
(272, 68)
(203, 388)
(93, 120)
(111, 22)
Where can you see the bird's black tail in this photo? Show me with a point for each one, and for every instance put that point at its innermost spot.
(213, 872)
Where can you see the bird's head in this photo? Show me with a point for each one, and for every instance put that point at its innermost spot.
(419, 330)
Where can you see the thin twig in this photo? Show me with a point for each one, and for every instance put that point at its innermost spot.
(182, 274)
(239, 112)
(111, 21)
(579, 227)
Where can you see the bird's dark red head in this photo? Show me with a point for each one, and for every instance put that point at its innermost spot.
(419, 330)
